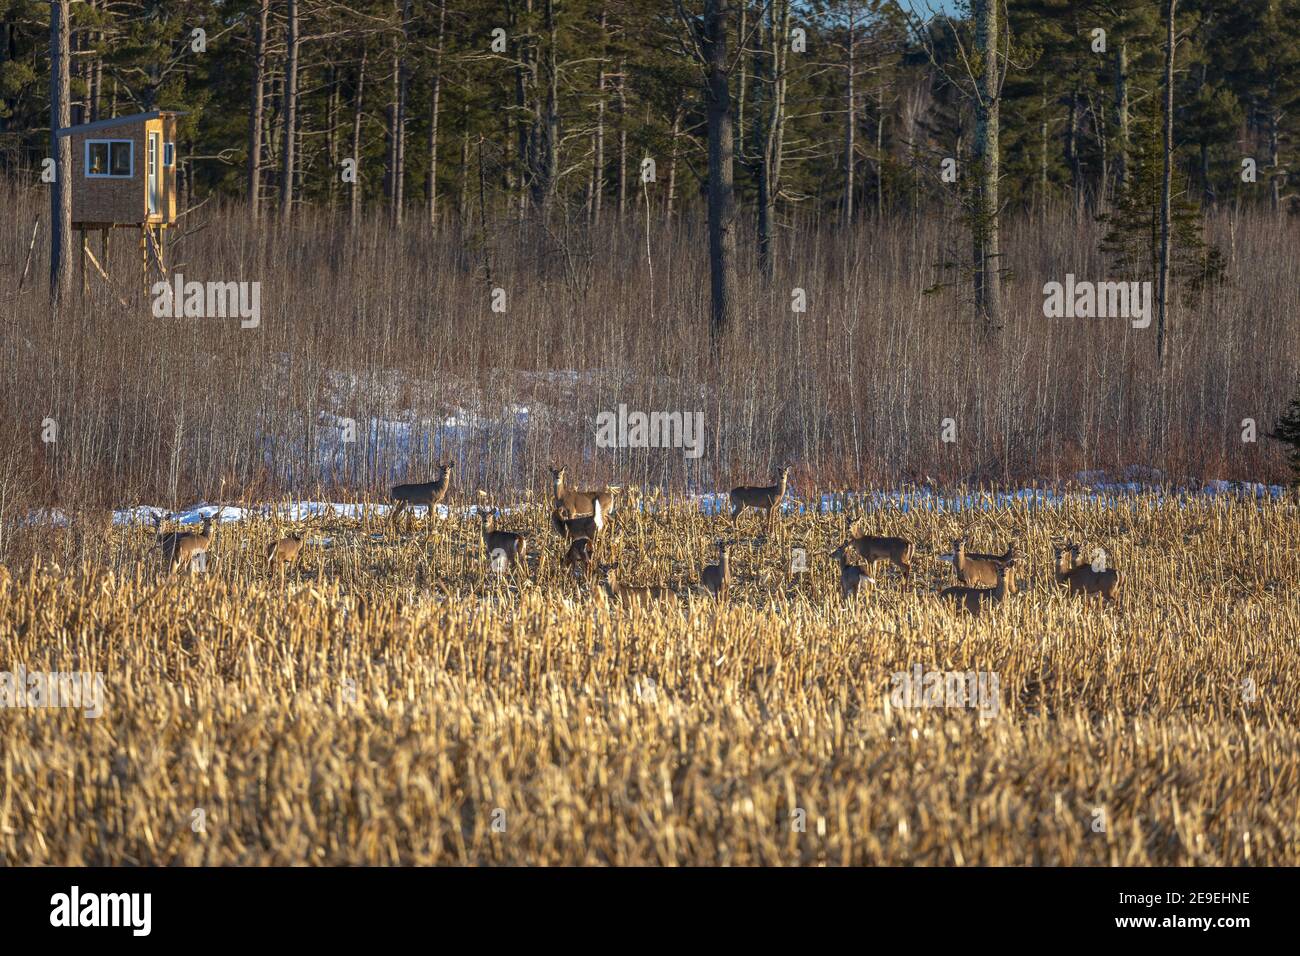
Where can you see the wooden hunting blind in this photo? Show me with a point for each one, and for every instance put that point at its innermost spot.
(124, 177)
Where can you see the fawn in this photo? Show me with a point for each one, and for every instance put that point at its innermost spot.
(629, 596)
(767, 498)
(428, 493)
(580, 502)
(568, 526)
(716, 578)
(513, 544)
(284, 551)
(1080, 578)
(581, 557)
(973, 600)
(852, 577)
(872, 548)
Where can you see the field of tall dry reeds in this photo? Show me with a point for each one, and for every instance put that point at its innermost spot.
(391, 699)
(395, 331)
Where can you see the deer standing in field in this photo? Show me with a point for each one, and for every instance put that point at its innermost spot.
(716, 578)
(513, 544)
(766, 498)
(872, 548)
(580, 502)
(568, 526)
(980, 570)
(1080, 578)
(852, 577)
(629, 596)
(284, 552)
(973, 600)
(428, 493)
(581, 557)
(180, 548)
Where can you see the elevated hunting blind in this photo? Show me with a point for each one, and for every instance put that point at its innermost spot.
(124, 177)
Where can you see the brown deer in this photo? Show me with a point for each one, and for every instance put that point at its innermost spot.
(285, 551)
(581, 557)
(429, 493)
(766, 498)
(513, 544)
(568, 526)
(980, 570)
(852, 577)
(872, 548)
(629, 596)
(580, 502)
(973, 600)
(716, 578)
(1080, 578)
(180, 548)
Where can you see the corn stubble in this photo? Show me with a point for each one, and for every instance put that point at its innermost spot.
(397, 701)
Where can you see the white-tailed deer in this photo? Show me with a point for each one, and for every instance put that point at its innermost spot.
(1080, 578)
(980, 570)
(852, 577)
(766, 498)
(285, 551)
(872, 548)
(514, 544)
(180, 548)
(568, 526)
(581, 557)
(974, 600)
(629, 596)
(429, 493)
(580, 502)
(716, 578)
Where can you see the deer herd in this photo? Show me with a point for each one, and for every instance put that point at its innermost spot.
(578, 518)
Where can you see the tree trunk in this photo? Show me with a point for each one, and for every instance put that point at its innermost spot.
(622, 139)
(988, 283)
(354, 205)
(289, 138)
(548, 151)
(435, 96)
(1162, 290)
(61, 152)
(672, 163)
(1121, 117)
(1275, 180)
(850, 123)
(770, 122)
(721, 193)
(880, 151)
(598, 148)
(331, 136)
(255, 115)
(401, 77)
(462, 200)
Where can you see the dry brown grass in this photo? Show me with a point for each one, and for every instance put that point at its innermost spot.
(397, 327)
(385, 701)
